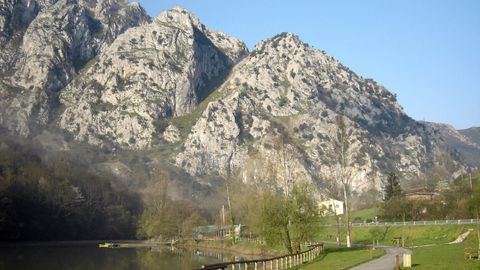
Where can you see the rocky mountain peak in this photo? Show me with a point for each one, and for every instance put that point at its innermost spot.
(148, 75)
(282, 43)
(180, 17)
(44, 53)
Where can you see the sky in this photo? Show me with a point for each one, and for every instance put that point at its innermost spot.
(427, 52)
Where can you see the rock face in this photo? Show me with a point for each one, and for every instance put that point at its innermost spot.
(277, 115)
(465, 142)
(105, 73)
(46, 44)
(148, 74)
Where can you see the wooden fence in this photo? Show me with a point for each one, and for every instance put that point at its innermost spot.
(276, 263)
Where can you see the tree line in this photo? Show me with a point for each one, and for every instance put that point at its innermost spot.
(59, 199)
(459, 199)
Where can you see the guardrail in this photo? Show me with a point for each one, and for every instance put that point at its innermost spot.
(411, 223)
(277, 263)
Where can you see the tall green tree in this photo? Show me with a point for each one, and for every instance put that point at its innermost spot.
(391, 187)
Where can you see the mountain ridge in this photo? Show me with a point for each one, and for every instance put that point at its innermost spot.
(172, 83)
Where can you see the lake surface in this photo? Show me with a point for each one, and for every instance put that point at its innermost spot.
(91, 257)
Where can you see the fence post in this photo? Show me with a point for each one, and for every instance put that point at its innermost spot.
(246, 266)
(233, 266)
(256, 266)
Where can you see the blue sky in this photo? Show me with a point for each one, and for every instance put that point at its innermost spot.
(427, 52)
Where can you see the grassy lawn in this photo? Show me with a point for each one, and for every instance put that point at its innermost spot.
(443, 257)
(414, 235)
(438, 255)
(341, 258)
(365, 214)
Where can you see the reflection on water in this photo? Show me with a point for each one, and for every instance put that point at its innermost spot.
(56, 258)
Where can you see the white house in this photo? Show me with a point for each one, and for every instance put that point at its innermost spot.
(331, 207)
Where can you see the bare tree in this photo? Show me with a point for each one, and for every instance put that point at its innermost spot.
(232, 219)
(342, 145)
(333, 190)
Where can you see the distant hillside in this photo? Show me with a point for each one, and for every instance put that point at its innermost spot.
(472, 133)
(465, 142)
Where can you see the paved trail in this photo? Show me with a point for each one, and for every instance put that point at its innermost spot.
(386, 262)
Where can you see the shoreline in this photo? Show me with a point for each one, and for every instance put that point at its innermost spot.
(73, 243)
(237, 249)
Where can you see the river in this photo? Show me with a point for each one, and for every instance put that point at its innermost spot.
(92, 257)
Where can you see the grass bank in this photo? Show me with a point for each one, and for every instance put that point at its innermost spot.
(444, 256)
(428, 243)
(241, 248)
(337, 258)
(413, 235)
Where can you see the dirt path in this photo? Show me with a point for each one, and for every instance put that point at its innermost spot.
(386, 262)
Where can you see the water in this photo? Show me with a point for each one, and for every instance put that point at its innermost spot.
(86, 258)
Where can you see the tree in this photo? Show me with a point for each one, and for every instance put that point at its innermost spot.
(391, 187)
(342, 150)
(163, 217)
(334, 192)
(230, 211)
(394, 206)
(475, 206)
(288, 220)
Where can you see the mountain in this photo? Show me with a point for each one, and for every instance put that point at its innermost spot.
(44, 46)
(472, 133)
(275, 117)
(170, 90)
(465, 142)
(150, 73)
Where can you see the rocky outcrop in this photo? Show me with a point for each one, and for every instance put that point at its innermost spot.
(149, 74)
(276, 116)
(47, 43)
(465, 143)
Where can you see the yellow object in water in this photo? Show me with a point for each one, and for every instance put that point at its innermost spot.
(112, 245)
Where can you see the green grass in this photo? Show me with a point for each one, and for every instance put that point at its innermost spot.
(357, 216)
(341, 258)
(414, 235)
(365, 214)
(440, 257)
(436, 255)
